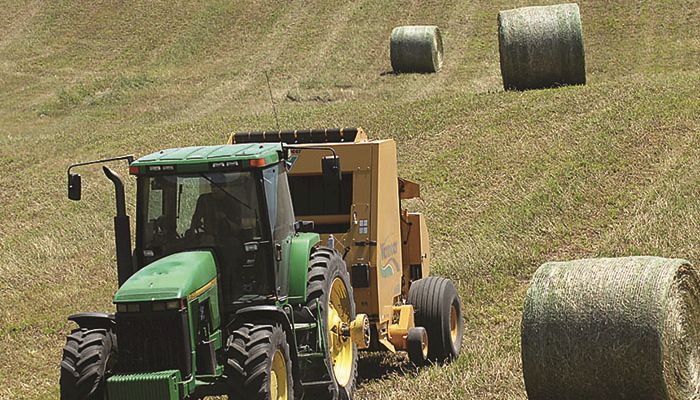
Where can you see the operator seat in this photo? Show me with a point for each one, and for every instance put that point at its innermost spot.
(219, 216)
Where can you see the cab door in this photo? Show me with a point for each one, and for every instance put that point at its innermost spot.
(281, 217)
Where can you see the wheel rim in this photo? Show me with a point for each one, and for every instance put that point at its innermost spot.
(278, 377)
(425, 344)
(339, 346)
(454, 324)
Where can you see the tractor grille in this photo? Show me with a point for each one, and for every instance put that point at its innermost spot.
(153, 341)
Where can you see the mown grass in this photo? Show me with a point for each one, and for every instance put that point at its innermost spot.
(510, 180)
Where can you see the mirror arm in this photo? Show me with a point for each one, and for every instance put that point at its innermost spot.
(129, 158)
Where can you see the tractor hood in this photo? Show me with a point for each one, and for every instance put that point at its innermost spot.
(173, 277)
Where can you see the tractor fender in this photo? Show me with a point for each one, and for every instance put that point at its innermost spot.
(275, 314)
(302, 244)
(94, 320)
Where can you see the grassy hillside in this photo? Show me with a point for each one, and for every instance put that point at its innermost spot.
(509, 179)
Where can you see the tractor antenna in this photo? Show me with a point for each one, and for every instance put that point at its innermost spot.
(272, 101)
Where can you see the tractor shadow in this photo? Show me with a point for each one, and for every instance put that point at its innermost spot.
(378, 365)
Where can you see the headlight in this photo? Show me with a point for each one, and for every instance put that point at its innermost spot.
(128, 307)
(173, 305)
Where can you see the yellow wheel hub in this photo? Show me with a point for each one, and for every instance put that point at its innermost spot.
(454, 324)
(278, 377)
(339, 346)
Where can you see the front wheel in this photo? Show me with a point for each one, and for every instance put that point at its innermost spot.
(88, 357)
(259, 365)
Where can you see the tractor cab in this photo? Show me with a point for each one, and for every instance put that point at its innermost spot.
(232, 200)
(240, 209)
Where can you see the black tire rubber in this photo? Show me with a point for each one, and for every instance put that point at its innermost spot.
(324, 266)
(433, 298)
(415, 339)
(88, 357)
(251, 348)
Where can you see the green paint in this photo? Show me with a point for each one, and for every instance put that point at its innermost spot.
(171, 277)
(144, 386)
(198, 158)
(299, 264)
(386, 271)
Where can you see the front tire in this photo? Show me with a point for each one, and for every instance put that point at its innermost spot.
(439, 311)
(329, 285)
(88, 357)
(259, 365)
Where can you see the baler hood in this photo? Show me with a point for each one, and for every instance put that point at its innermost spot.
(173, 277)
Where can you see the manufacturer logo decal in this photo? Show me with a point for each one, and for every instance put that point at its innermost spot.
(293, 157)
(389, 251)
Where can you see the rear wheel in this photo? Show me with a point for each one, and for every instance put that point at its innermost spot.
(329, 285)
(88, 357)
(439, 311)
(259, 365)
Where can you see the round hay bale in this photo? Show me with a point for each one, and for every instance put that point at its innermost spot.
(541, 47)
(416, 49)
(614, 328)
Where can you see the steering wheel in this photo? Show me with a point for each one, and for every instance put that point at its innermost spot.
(193, 233)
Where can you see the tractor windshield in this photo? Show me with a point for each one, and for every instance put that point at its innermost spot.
(181, 212)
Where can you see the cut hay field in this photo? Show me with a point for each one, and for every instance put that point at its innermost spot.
(509, 180)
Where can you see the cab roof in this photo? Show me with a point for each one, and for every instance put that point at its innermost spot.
(207, 154)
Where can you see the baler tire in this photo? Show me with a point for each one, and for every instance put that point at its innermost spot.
(417, 345)
(325, 265)
(88, 357)
(252, 349)
(439, 311)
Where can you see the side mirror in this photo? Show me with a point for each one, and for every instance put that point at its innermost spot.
(74, 186)
(304, 226)
(330, 166)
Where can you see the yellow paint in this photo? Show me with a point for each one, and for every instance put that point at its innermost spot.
(454, 324)
(339, 346)
(201, 290)
(403, 321)
(360, 332)
(394, 247)
(278, 377)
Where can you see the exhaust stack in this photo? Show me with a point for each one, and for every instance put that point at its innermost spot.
(122, 229)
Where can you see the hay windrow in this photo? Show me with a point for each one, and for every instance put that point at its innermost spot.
(616, 328)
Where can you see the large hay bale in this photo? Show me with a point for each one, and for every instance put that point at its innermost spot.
(616, 328)
(416, 49)
(541, 47)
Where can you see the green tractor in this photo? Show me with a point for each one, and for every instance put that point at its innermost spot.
(224, 292)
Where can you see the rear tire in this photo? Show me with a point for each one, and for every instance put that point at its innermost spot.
(327, 272)
(88, 357)
(439, 310)
(259, 365)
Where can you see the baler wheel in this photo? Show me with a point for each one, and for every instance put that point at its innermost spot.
(417, 343)
(439, 311)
